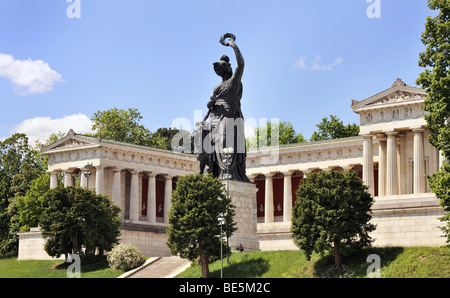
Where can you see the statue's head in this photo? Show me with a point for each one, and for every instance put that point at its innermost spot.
(223, 67)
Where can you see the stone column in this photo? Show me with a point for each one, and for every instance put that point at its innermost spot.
(151, 198)
(401, 163)
(382, 166)
(419, 162)
(167, 197)
(83, 179)
(391, 164)
(368, 162)
(53, 180)
(117, 188)
(68, 178)
(135, 207)
(268, 202)
(99, 179)
(287, 200)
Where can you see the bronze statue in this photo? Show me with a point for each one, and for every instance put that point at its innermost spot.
(226, 118)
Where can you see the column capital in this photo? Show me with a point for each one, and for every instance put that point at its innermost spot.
(391, 133)
(368, 136)
(287, 173)
(347, 167)
(418, 129)
(269, 175)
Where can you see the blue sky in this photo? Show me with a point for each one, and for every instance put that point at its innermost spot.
(304, 59)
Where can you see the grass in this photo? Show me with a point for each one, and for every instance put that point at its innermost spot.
(396, 262)
(90, 268)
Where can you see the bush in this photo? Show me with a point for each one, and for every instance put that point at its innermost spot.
(125, 257)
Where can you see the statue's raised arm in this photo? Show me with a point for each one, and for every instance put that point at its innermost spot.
(239, 71)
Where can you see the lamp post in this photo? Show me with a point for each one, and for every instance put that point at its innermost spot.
(227, 161)
(221, 222)
(87, 173)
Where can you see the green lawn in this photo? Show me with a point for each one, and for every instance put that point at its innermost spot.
(12, 268)
(418, 262)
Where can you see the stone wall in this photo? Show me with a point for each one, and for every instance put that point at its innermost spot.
(407, 220)
(31, 246)
(149, 239)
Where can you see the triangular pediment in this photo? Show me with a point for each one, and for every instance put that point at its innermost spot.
(70, 141)
(398, 94)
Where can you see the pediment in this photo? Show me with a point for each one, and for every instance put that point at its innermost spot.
(398, 97)
(399, 94)
(71, 141)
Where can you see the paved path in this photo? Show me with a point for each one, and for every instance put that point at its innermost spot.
(167, 267)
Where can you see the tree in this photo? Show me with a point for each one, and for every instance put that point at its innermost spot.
(165, 137)
(286, 135)
(30, 206)
(334, 129)
(197, 203)
(440, 185)
(123, 126)
(74, 217)
(332, 212)
(20, 164)
(436, 82)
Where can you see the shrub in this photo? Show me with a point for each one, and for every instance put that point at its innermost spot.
(125, 257)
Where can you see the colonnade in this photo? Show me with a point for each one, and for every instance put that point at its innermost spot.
(291, 182)
(392, 172)
(143, 196)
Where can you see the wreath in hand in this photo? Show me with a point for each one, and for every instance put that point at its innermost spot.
(225, 36)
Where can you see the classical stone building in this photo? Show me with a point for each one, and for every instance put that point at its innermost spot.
(392, 156)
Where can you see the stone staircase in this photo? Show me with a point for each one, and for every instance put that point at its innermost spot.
(162, 267)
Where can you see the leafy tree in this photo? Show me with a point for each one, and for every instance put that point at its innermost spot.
(332, 212)
(20, 164)
(197, 203)
(167, 135)
(436, 82)
(74, 217)
(54, 137)
(440, 185)
(334, 128)
(286, 135)
(30, 206)
(123, 126)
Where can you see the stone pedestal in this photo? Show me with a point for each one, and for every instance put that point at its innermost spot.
(243, 196)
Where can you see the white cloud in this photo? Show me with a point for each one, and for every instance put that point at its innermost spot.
(301, 64)
(40, 128)
(28, 76)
